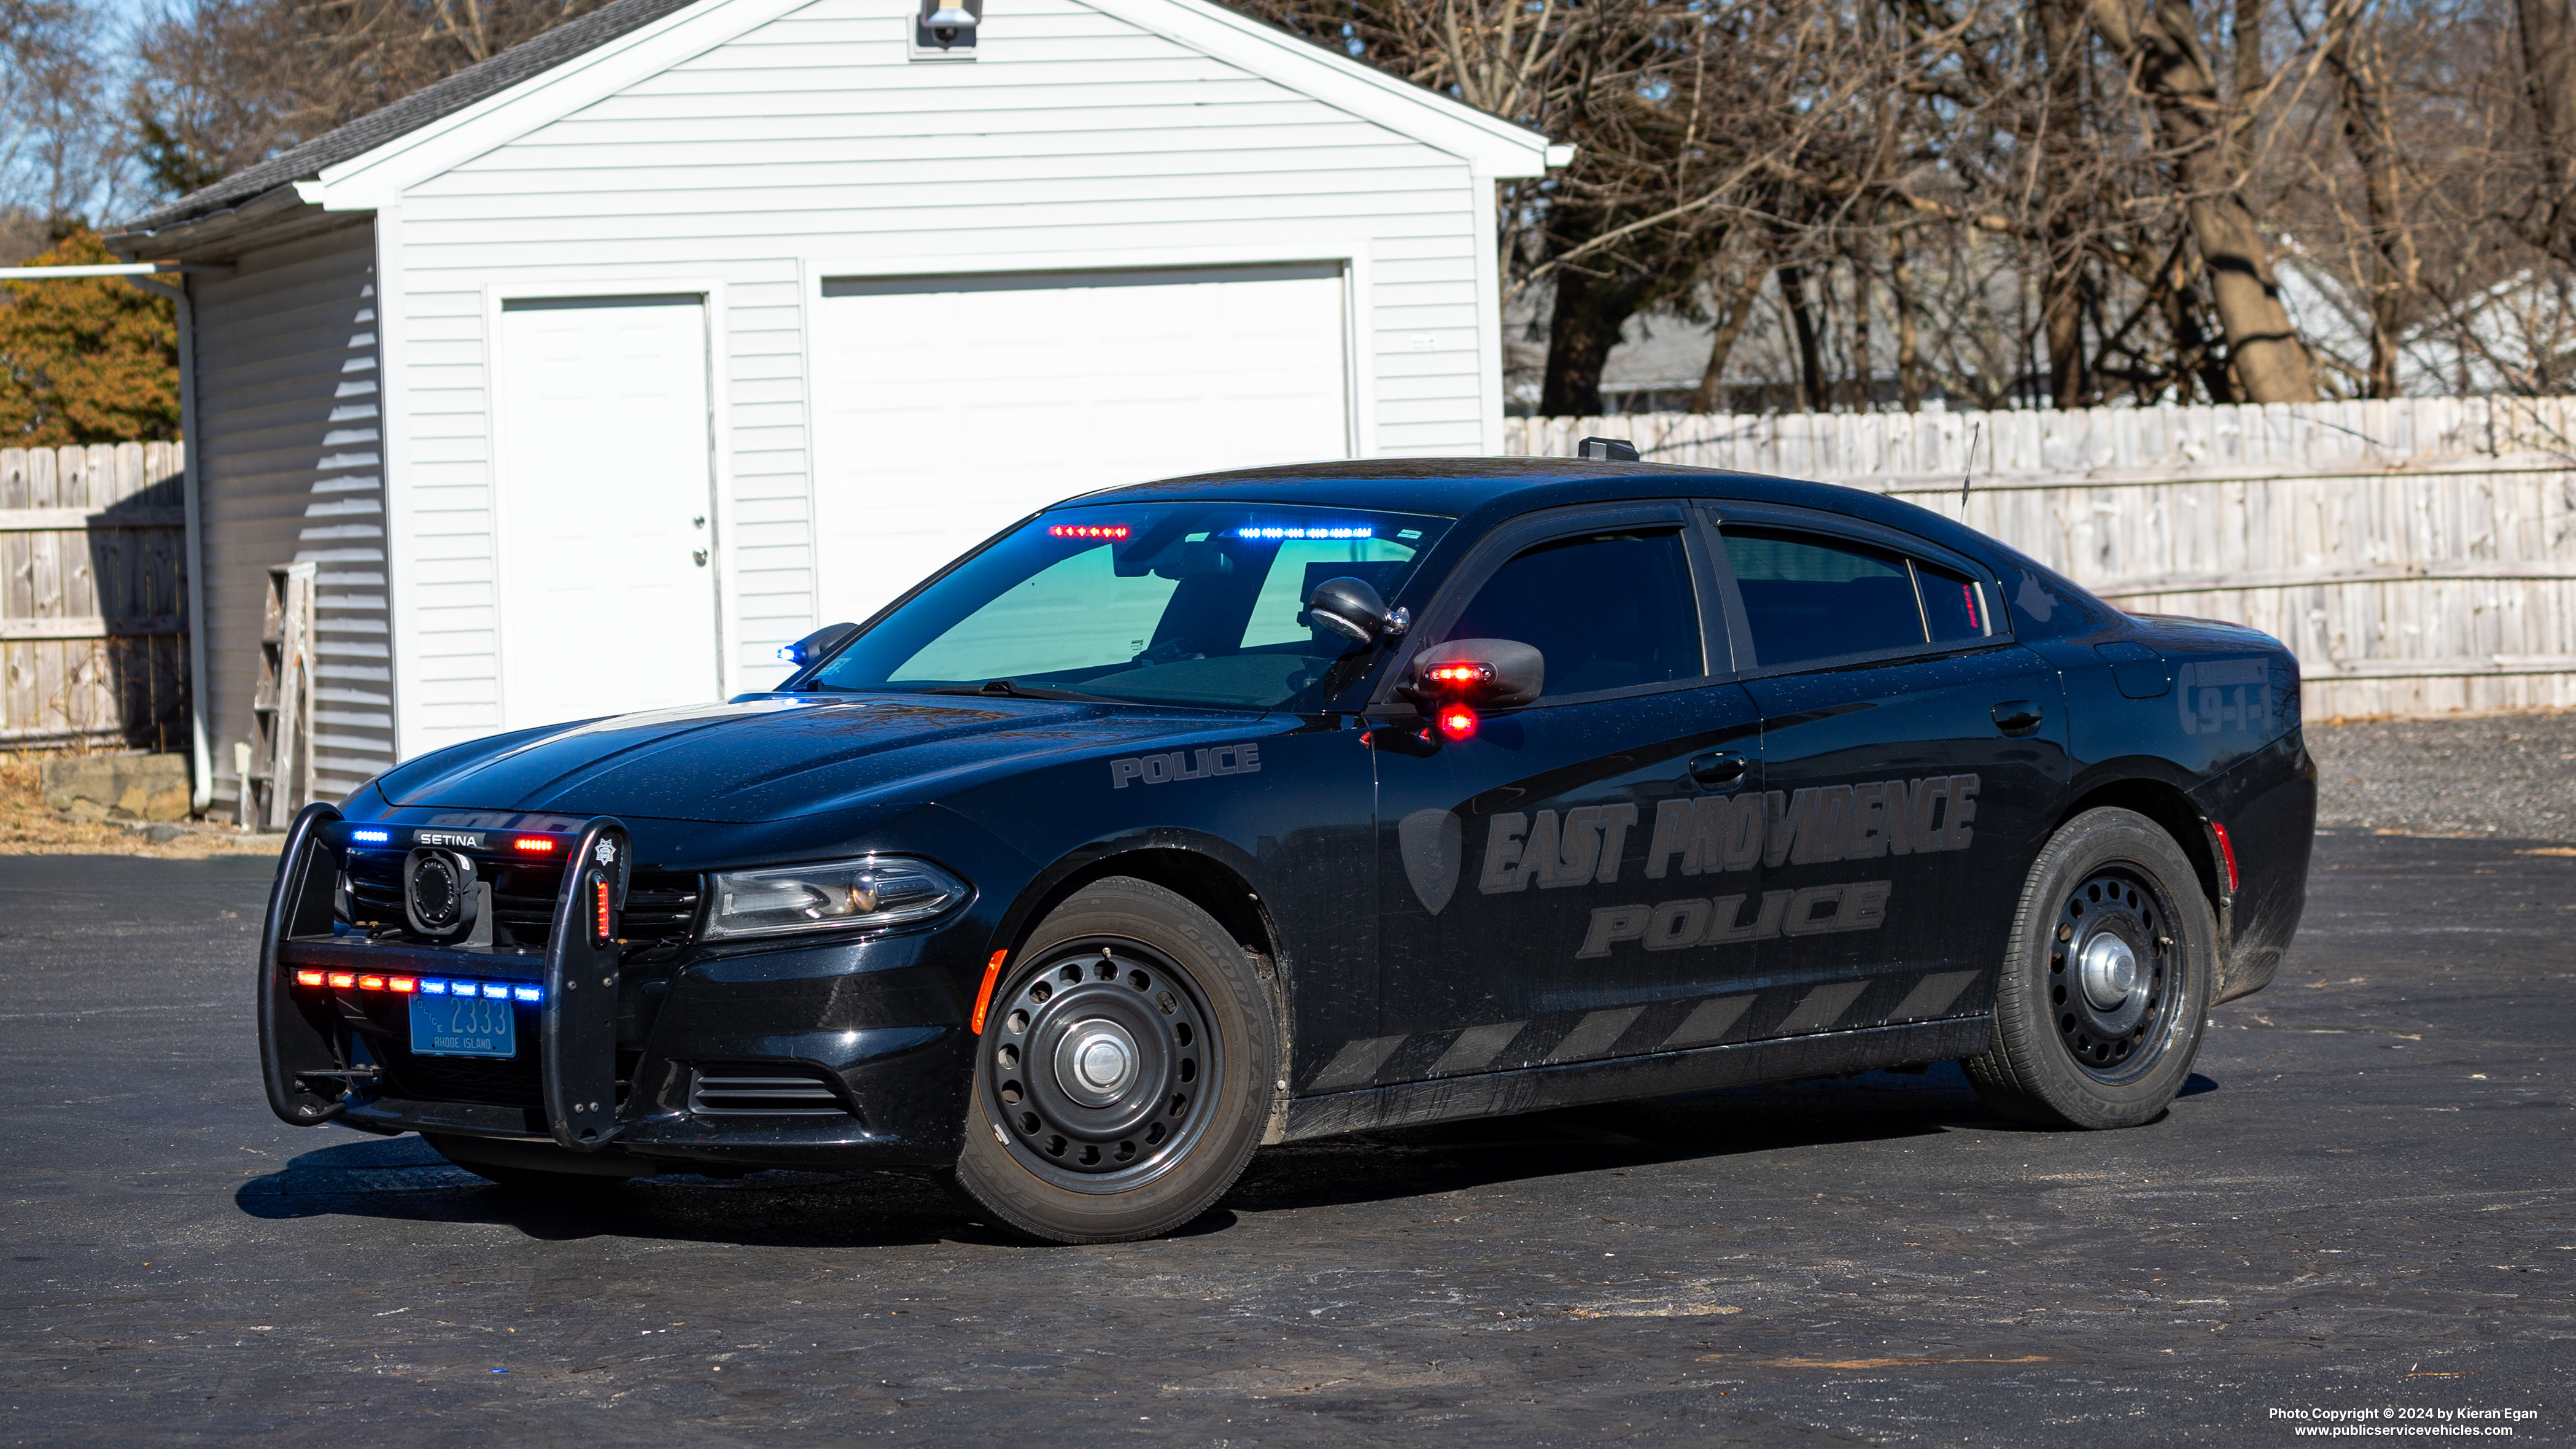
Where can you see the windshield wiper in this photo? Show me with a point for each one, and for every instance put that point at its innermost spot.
(1005, 689)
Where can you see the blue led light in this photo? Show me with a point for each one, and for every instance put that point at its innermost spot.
(1335, 531)
(495, 991)
(525, 993)
(433, 988)
(373, 837)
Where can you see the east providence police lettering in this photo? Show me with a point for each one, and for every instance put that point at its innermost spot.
(1715, 834)
(1718, 833)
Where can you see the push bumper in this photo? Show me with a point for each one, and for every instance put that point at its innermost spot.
(863, 1046)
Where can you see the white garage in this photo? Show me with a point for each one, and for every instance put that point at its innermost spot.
(588, 377)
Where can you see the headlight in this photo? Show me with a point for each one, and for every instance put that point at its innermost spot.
(879, 890)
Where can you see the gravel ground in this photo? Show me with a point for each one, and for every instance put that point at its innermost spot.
(2504, 775)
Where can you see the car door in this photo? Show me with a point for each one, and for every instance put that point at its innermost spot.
(1513, 887)
(1913, 761)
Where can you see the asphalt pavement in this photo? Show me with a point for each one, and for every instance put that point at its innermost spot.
(2361, 1203)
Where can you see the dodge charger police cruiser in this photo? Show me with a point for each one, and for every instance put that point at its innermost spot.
(1230, 810)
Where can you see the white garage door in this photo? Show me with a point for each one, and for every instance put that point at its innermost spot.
(952, 405)
(607, 583)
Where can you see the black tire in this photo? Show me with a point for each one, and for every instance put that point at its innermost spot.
(2106, 982)
(1123, 1076)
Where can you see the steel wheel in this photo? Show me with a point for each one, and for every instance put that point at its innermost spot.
(1124, 1073)
(2110, 967)
(1102, 1055)
(2105, 987)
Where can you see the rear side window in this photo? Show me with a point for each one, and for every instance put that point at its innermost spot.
(1954, 605)
(1807, 597)
(1607, 610)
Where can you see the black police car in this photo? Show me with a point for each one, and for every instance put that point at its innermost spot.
(1238, 809)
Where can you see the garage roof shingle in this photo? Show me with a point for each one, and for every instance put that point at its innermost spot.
(420, 108)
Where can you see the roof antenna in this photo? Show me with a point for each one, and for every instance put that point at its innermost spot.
(1973, 430)
(1606, 450)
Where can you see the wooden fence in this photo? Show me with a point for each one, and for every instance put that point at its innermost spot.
(2418, 555)
(93, 596)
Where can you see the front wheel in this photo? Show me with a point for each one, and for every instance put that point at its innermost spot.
(1121, 1082)
(2106, 982)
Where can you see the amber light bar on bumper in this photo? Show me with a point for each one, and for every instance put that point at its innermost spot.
(421, 985)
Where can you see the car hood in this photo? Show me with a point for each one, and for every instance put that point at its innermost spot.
(772, 758)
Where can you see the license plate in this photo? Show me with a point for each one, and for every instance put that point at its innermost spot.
(462, 1026)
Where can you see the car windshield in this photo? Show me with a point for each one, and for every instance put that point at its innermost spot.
(1168, 603)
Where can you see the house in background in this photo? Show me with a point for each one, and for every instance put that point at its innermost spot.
(593, 374)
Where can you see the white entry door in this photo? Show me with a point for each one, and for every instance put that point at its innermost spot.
(951, 406)
(606, 566)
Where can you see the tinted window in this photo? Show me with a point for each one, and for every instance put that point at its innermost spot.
(1605, 610)
(1807, 597)
(1954, 605)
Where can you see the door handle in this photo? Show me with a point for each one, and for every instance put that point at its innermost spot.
(2017, 717)
(1719, 772)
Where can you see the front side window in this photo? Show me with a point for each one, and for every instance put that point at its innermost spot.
(1608, 610)
(1197, 604)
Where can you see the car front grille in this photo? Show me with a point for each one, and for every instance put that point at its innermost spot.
(762, 1090)
(661, 906)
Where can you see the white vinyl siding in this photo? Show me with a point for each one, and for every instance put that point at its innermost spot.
(291, 468)
(810, 147)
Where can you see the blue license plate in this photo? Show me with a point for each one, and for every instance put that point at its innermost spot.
(462, 1026)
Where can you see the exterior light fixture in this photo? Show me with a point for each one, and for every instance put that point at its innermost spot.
(945, 29)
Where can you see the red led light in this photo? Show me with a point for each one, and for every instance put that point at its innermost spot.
(533, 844)
(343, 980)
(1457, 721)
(371, 983)
(599, 906)
(404, 984)
(308, 978)
(1460, 673)
(2227, 850)
(1969, 592)
(1087, 530)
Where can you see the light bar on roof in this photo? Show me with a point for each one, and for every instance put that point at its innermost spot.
(1328, 531)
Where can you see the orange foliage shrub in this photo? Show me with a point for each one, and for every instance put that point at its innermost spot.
(86, 359)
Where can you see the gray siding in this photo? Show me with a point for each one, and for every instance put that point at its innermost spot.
(291, 469)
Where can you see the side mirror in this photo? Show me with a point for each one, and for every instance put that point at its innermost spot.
(1354, 608)
(1479, 673)
(815, 645)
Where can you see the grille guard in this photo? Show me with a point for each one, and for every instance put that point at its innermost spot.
(577, 1026)
(577, 1031)
(295, 1038)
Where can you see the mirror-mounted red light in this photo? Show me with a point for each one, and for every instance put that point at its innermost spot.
(1457, 721)
(1460, 675)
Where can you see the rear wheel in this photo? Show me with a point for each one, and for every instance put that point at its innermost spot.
(1120, 1085)
(2106, 983)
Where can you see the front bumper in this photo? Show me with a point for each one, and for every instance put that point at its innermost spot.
(863, 1044)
